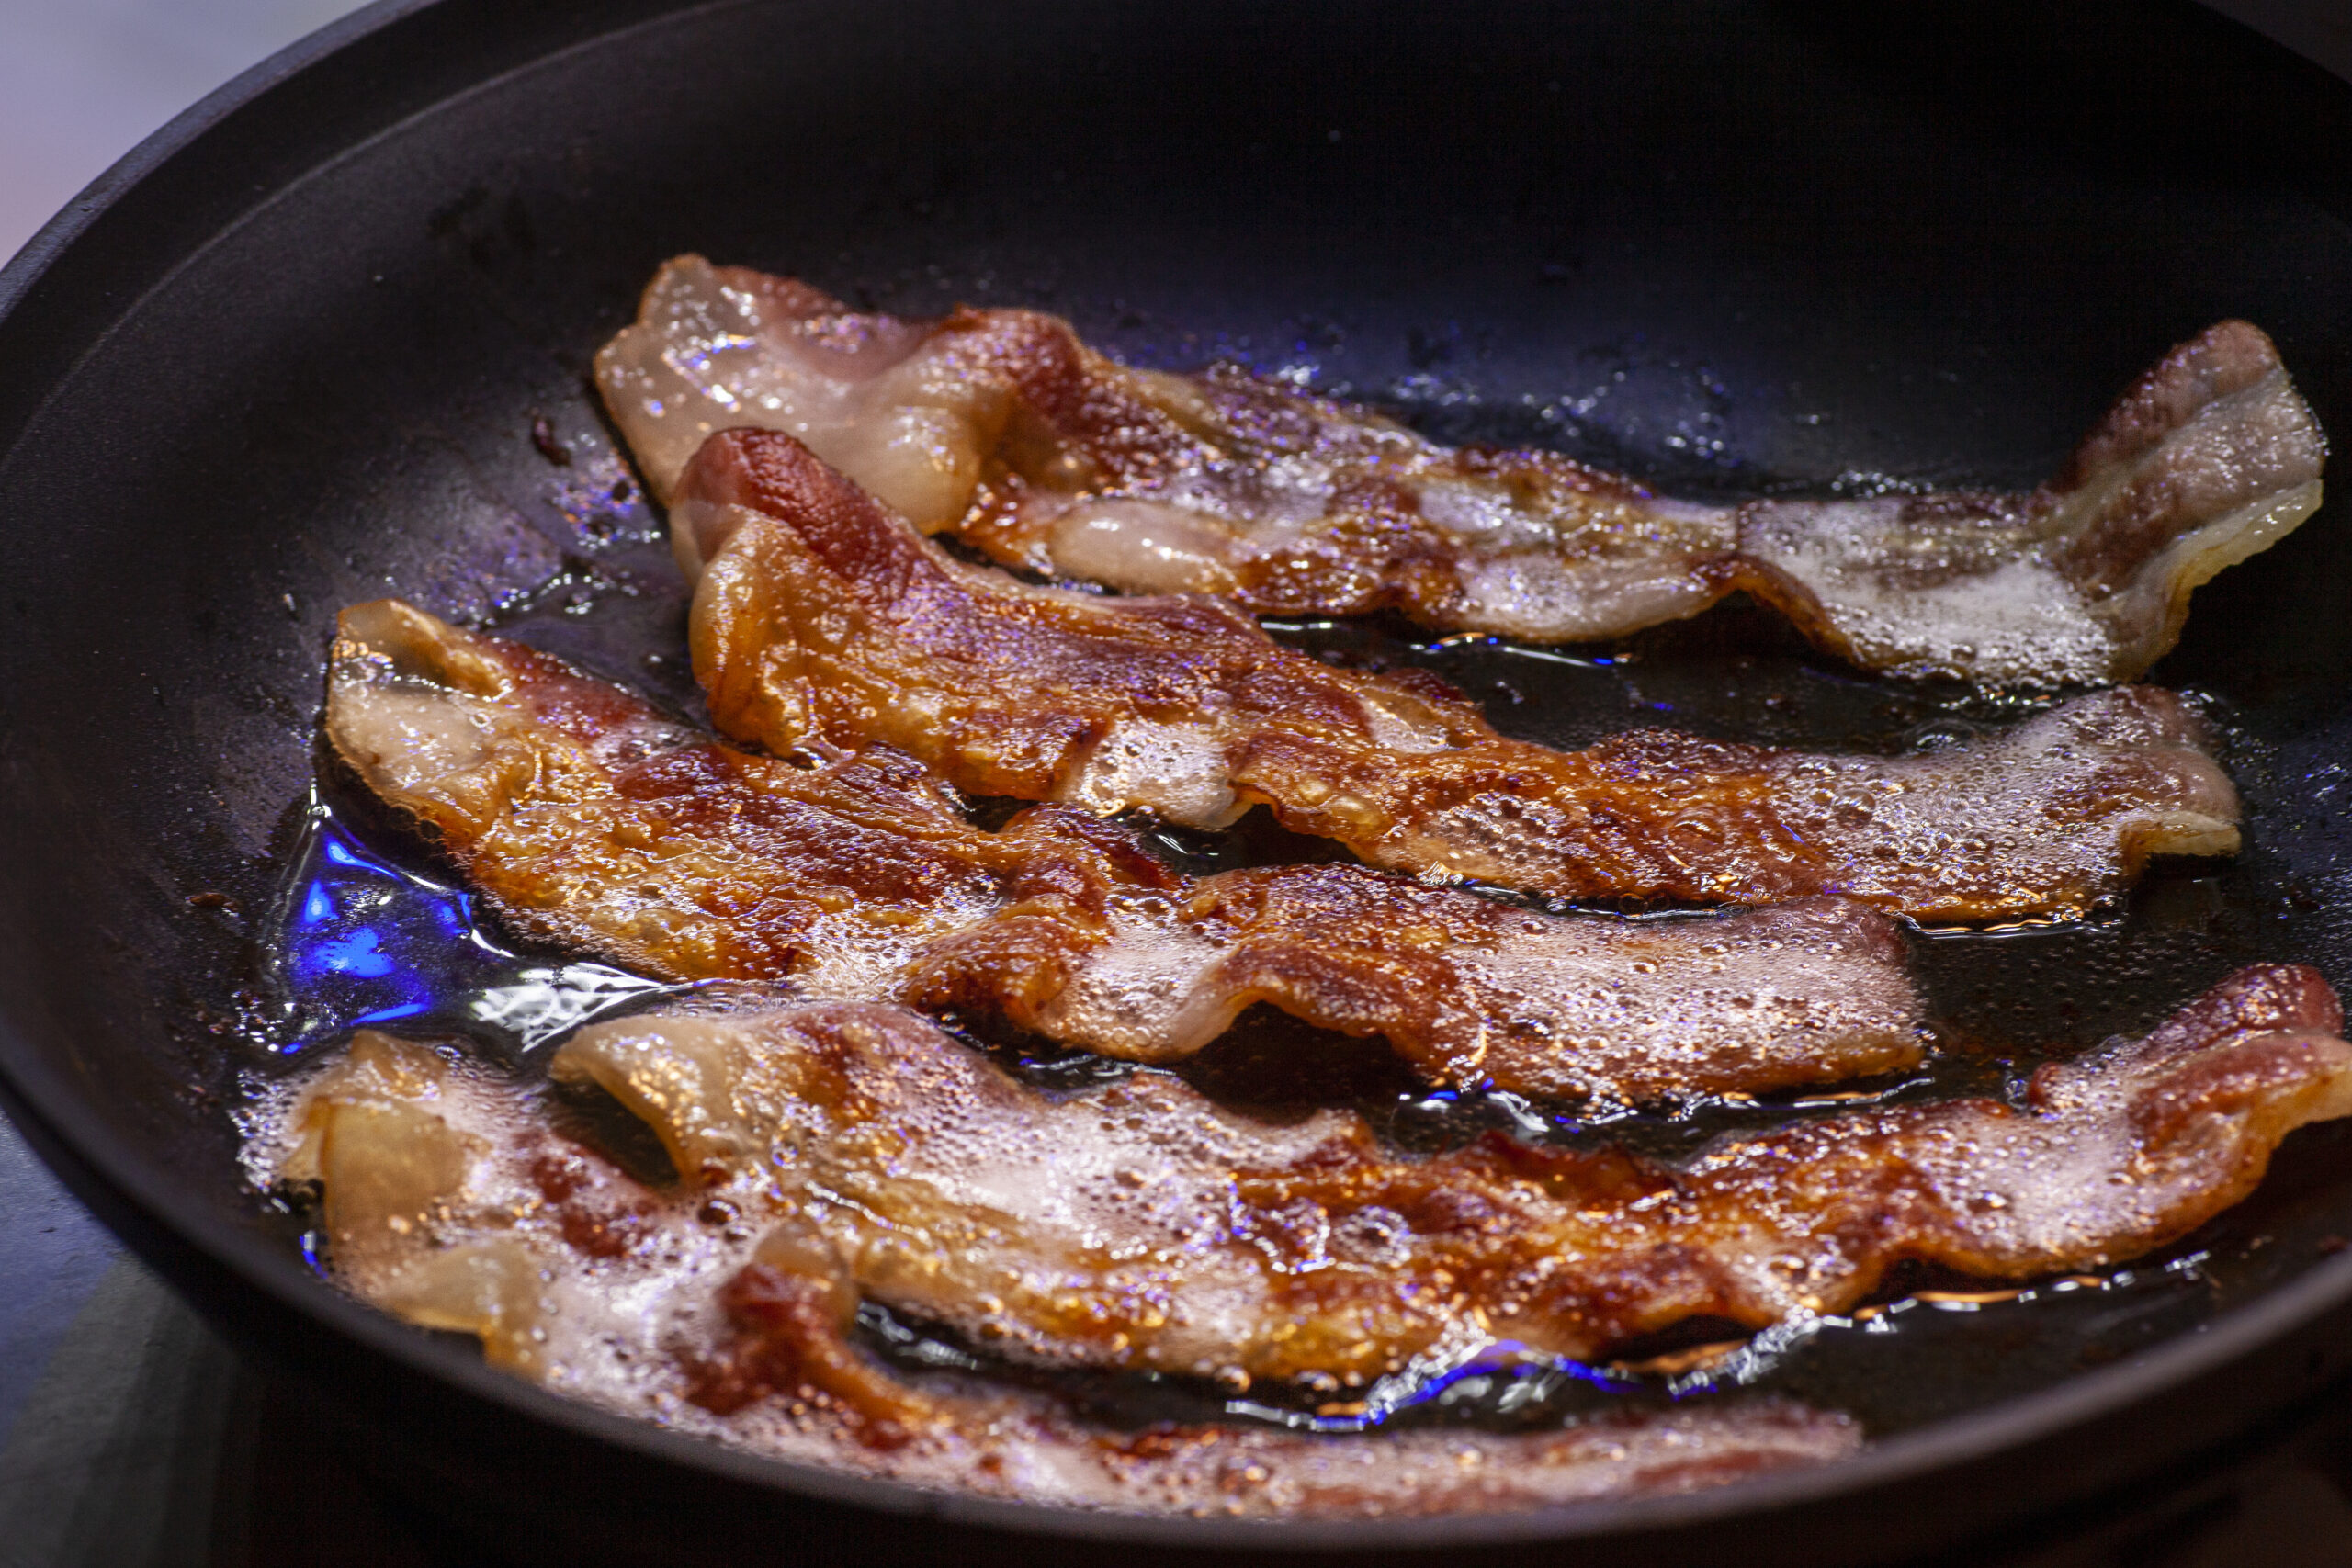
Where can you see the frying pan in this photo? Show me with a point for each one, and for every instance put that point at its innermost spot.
(288, 356)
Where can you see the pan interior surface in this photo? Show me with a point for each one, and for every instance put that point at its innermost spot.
(1732, 249)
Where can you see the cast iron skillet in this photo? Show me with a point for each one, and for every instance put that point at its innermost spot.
(288, 356)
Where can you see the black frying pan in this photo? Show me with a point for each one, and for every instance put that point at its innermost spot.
(288, 356)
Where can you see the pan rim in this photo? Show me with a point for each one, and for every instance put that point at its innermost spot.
(60, 1121)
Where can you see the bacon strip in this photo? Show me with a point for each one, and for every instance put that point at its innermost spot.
(451, 1199)
(589, 820)
(1140, 1228)
(824, 616)
(835, 1151)
(1002, 426)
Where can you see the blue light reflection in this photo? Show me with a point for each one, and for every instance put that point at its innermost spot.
(359, 939)
(1529, 1378)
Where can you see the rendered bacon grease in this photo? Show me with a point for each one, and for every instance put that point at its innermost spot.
(592, 822)
(1003, 428)
(824, 617)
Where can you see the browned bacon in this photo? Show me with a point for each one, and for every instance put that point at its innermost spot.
(588, 819)
(1140, 1228)
(452, 1200)
(824, 616)
(1003, 426)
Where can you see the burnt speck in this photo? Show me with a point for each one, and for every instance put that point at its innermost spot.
(601, 529)
(211, 901)
(622, 490)
(447, 220)
(543, 437)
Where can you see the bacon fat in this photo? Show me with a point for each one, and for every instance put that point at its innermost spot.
(1141, 1228)
(452, 1198)
(832, 1153)
(591, 821)
(1003, 426)
(824, 616)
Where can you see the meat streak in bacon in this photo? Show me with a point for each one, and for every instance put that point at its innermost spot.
(824, 616)
(1002, 426)
(588, 819)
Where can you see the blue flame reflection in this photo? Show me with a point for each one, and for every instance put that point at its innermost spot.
(1500, 1377)
(359, 939)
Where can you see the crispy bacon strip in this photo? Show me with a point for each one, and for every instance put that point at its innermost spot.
(589, 820)
(1141, 1228)
(452, 1200)
(822, 615)
(1002, 426)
